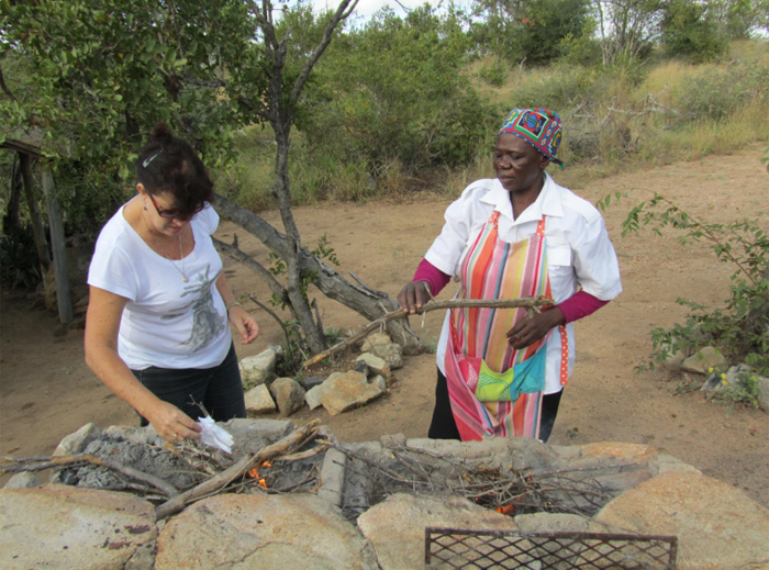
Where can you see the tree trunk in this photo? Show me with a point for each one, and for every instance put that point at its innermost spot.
(38, 229)
(358, 297)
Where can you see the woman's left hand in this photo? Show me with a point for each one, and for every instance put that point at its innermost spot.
(245, 323)
(528, 331)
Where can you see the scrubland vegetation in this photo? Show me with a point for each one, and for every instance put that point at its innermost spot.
(402, 102)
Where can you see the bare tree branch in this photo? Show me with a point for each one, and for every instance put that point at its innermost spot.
(342, 13)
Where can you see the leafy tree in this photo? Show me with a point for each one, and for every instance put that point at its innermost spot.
(629, 28)
(107, 70)
(394, 91)
(689, 29)
(529, 30)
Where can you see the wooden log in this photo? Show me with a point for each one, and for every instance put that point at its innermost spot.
(56, 224)
(531, 303)
(248, 461)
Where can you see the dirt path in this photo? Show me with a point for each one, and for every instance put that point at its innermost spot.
(46, 391)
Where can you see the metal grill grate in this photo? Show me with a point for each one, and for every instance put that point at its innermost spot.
(447, 548)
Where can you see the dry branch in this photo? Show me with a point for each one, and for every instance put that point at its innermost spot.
(168, 489)
(530, 303)
(248, 461)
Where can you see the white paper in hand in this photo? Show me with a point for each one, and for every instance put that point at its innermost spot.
(214, 435)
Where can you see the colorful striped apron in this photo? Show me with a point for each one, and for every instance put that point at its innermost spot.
(478, 353)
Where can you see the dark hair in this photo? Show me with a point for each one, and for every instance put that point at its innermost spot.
(169, 164)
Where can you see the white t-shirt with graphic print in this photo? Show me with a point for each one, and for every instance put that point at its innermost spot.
(166, 323)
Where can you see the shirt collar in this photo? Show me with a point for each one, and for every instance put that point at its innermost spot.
(548, 202)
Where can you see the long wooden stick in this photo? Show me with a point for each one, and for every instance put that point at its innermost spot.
(531, 303)
(216, 484)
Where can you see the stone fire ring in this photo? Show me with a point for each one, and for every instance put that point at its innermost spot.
(63, 527)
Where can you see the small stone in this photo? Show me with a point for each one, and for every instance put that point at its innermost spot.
(675, 358)
(361, 366)
(78, 441)
(288, 394)
(311, 381)
(255, 370)
(24, 480)
(391, 353)
(375, 364)
(379, 382)
(346, 391)
(259, 400)
(708, 357)
(312, 396)
(374, 340)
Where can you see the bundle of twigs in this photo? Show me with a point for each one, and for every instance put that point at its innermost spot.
(508, 491)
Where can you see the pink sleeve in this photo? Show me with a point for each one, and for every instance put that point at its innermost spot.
(436, 278)
(580, 305)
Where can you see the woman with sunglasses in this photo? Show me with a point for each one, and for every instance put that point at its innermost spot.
(157, 329)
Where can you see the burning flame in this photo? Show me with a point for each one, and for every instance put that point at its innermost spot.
(254, 473)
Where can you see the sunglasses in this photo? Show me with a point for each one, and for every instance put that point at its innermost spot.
(170, 214)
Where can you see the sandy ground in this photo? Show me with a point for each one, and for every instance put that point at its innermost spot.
(47, 392)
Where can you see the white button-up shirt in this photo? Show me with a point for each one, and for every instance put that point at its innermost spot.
(579, 251)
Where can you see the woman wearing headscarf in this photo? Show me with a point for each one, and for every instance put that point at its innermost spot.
(518, 235)
(157, 330)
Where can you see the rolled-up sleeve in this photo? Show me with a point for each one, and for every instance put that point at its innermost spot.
(595, 262)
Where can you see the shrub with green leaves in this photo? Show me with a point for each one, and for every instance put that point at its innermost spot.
(740, 329)
(394, 91)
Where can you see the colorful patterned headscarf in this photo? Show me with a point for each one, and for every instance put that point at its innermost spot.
(539, 127)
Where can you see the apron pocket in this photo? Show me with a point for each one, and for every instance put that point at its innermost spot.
(523, 378)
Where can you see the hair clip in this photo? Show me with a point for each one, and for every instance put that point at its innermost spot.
(147, 161)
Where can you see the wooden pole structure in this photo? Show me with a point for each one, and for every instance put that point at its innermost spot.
(56, 225)
(38, 229)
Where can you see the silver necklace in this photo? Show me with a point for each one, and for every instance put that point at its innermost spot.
(159, 250)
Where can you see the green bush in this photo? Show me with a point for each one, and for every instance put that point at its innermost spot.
(720, 92)
(689, 29)
(394, 91)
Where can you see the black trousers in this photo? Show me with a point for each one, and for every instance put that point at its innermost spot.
(219, 389)
(443, 425)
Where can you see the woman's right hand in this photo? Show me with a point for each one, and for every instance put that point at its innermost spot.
(171, 423)
(414, 296)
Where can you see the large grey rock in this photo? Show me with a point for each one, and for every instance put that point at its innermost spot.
(251, 435)
(288, 394)
(374, 340)
(23, 480)
(396, 527)
(391, 353)
(78, 441)
(703, 359)
(497, 452)
(133, 434)
(346, 391)
(255, 370)
(268, 532)
(718, 527)
(552, 522)
(259, 400)
(69, 528)
(374, 364)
